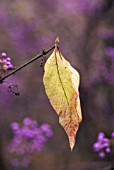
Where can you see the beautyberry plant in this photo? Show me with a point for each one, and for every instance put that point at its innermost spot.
(28, 139)
(5, 64)
(103, 145)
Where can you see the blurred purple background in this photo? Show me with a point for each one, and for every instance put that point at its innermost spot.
(86, 32)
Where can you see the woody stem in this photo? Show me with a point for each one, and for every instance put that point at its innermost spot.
(44, 52)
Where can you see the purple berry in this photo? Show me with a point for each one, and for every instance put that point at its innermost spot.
(108, 150)
(10, 67)
(112, 135)
(44, 127)
(3, 55)
(8, 63)
(101, 136)
(96, 147)
(101, 154)
(27, 121)
(106, 140)
(8, 59)
(14, 126)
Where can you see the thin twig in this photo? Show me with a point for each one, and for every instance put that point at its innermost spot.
(44, 52)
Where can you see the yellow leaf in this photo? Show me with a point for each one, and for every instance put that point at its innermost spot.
(61, 83)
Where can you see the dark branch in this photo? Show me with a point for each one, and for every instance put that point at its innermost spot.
(44, 52)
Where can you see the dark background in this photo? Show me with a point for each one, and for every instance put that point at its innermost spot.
(86, 30)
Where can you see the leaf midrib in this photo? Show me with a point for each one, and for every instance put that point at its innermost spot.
(61, 79)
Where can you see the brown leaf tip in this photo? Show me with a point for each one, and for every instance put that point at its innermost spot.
(56, 41)
(71, 142)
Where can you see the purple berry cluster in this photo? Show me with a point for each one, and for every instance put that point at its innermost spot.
(27, 140)
(103, 145)
(5, 63)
